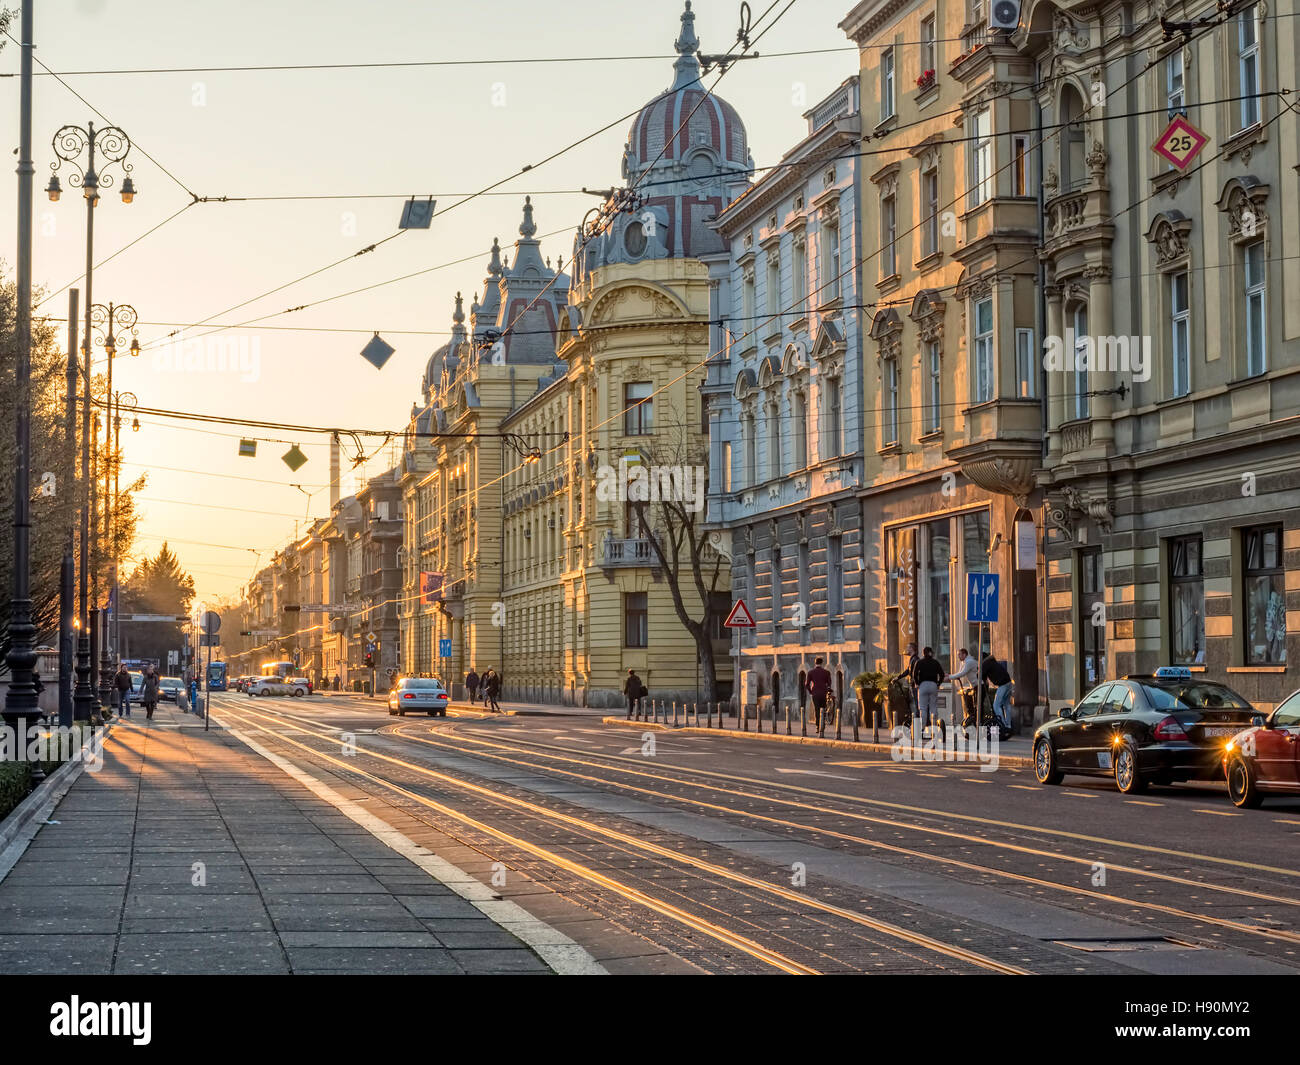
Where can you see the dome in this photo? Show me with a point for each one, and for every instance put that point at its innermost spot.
(712, 135)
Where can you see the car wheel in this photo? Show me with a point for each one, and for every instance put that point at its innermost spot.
(298, 693)
(1241, 784)
(401, 713)
(1045, 762)
(391, 712)
(1128, 778)
(433, 713)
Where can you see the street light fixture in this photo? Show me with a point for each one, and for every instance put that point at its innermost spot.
(112, 146)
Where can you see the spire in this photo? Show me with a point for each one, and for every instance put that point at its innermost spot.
(527, 228)
(687, 44)
(458, 316)
(494, 263)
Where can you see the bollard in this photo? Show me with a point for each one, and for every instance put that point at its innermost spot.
(787, 719)
(742, 720)
(839, 718)
(696, 708)
(857, 713)
(803, 719)
(708, 715)
(674, 714)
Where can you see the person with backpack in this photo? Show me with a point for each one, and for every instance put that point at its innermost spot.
(122, 683)
(492, 690)
(472, 682)
(149, 692)
(635, 692)
(819, 686)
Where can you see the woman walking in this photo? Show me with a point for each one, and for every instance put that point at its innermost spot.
(149, 692)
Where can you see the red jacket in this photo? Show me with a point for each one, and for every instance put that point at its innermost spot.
(819, 681)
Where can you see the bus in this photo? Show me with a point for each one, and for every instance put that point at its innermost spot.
(217, 676)
(279, 670)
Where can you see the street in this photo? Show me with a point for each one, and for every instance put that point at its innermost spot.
(722, 855)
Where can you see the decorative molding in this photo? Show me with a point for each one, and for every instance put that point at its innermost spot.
(1169, 233)
(1242, 200)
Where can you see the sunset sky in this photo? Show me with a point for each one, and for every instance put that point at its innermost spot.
(340, 135)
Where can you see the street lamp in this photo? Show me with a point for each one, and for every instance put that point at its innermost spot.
(102, 321)
(112, 146)
(130, 401)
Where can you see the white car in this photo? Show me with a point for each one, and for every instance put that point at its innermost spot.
(418, 693)
(276, 686)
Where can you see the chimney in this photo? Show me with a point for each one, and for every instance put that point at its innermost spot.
(334, 470)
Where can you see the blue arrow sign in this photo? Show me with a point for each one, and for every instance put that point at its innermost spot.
(444, 648)
(982, 597)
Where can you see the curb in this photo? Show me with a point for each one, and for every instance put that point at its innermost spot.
(1014, 761)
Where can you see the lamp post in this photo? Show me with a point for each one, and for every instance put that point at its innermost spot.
(130, 401)
(112, 146)
(20, 698)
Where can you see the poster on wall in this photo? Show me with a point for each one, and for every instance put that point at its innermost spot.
(1026, 545)
(430, 587)
(906, 577)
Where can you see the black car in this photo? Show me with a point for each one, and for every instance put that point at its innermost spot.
(1144, 729)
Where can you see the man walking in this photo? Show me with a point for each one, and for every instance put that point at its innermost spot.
(995, 675)
(819, 684)
(927, 674)
(491, 690)
(472, 682)
(122, 682)
(635, 692)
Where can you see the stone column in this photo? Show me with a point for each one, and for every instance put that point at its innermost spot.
(1100, 325)
(1055, 377)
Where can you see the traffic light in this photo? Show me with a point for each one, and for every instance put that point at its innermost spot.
(370, 661)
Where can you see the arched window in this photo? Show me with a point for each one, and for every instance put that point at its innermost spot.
(1074, 173)
(799, 405)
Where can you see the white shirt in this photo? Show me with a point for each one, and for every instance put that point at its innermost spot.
(964, 676)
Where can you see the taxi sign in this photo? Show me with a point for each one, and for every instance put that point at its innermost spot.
(1180, 143)
(1173, 673)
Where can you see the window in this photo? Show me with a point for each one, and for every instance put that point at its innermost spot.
(930, 192)
(747, 302)
(1186, 601)
(1253, 260)
(1019, 165)
(835, 576)
(799, 408)
(636, 619)
(1264, 595)
(887, 83)
(888, 235)
(889, 399)
(1248, 64)
(983, 368)
(934, 386)
(1026, 368)
(834, 418)
(1092, 616)
(1180, 324)
(751, 451)
(773, 440)
(927, 45)
(1092, 703)
(773, 284)
(936, 610)
(719, 608)
(1175, 84)
(799, 269)
(1082, 356)
(831, 284)
(726, 466)
(638, 408)
(981, 159)
(778, 593)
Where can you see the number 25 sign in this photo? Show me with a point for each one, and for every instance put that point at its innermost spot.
(1180, 143)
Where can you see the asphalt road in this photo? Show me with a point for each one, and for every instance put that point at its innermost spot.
(670, 852)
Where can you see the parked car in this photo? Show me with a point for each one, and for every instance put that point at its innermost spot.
(275, 686)
(169, 688)
(137, 683)
(418, 693)
(1144, 729)
(1265, 759)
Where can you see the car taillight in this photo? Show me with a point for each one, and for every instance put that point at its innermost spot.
(1170, 729)
(408, 695)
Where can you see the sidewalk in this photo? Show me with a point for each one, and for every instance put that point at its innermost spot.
(189, 853)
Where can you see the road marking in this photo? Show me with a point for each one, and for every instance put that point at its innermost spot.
(1284, 821)
(1139, 802)
(1217, 813)
(1080, 794)
(816, 773)
(976, 780)
(1022, 787)
(855, 765)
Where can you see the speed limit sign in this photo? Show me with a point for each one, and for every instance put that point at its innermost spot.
(1180, 143)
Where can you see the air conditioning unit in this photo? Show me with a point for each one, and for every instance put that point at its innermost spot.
(1004, 14)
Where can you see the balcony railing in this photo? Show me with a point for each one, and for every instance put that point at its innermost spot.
(627, 553)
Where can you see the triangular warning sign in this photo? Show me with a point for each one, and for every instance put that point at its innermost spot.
(740, 617)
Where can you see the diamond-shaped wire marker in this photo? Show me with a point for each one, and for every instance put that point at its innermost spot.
(294, 458)
(377, 352)
(248, 449)
(417, 214)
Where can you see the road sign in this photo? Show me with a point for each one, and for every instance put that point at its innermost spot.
(210, 622)
(371, 638)
(172, 657)
(444, 648)
(1180, 143)
(982, 597)
(740, 617)
(171, 619)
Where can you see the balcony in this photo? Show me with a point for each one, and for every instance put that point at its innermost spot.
(1003, 445)
(1081, 214)
(615, 553)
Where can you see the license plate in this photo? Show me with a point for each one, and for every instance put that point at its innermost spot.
(1103, 759)
(1220, 731)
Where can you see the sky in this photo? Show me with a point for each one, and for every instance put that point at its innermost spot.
(349, 146)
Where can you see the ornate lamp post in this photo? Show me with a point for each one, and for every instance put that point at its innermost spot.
(111, 145)
(130, 401)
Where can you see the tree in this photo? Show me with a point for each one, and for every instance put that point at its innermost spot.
(158, 585)
(666, 491)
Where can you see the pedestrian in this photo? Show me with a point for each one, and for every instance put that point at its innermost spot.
(336, 682)
(635, 691)
(995, 675)
(492, 689)
(928, 674)
(194, 692)
(909, 671)
(964, 679)
(472, 682)
(819, 686)
(149, 692)
(122, 683)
